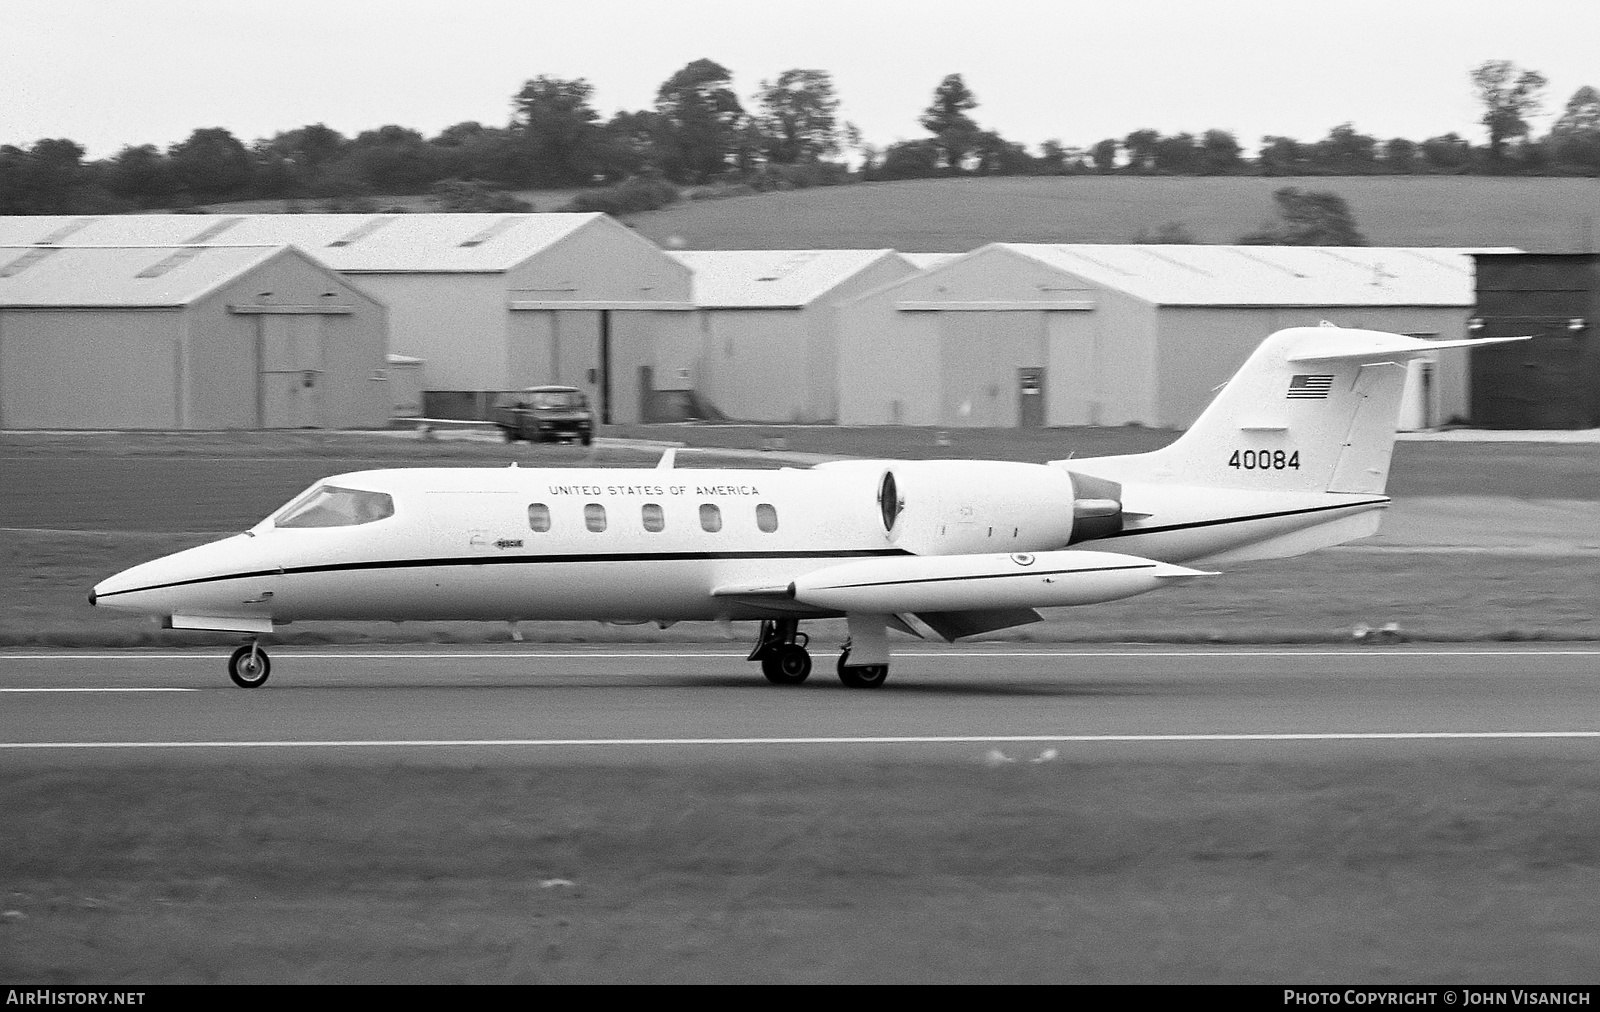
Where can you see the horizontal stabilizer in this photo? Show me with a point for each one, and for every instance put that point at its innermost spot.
(1373, 344)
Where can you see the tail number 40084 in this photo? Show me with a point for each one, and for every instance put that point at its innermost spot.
(1265, 460)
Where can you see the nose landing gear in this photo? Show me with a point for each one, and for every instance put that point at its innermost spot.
(781, 649)
(249, 666)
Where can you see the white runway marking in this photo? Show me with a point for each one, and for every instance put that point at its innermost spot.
(100, 690)
(1024, 739)
(741, 654)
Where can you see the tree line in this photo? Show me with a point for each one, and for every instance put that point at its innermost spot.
(698, 133)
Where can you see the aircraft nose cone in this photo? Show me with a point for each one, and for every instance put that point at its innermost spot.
(91, 598)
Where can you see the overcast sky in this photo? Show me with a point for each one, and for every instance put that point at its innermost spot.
(108, 73)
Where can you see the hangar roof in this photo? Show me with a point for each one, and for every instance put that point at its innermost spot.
(1269, 275)
(928, 261)
(354, 243)
(139, 278)
(773, 279)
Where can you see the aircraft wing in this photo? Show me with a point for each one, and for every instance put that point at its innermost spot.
(963, 595)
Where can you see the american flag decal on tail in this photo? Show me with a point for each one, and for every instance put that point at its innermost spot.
(1310, 388)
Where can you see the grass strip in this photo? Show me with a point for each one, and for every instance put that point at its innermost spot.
(1392, 865)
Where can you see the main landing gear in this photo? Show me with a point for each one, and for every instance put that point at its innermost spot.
(249, 666)
(781, 649)
(860, 676)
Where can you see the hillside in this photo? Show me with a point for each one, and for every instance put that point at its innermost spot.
(956, 215)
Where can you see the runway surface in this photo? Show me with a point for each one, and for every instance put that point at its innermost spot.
(667, 704)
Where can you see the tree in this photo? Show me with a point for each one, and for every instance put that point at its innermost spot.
(49, 178)
(1053, 157)
(1346, 151)
(290, 163)
(142, 175)
(1179, 155)
(1000, 157)
(1220, 153)
(1448, 152)
(1104, 155)
(470, 150)
(1509, 98)
(1575, 137)
(473, 195)
(698, 122)
(955, 133)
(1308, 218)
(556, 137)
(628, 145)
(1282, 156)
(394, 159)
(1141, 148)
(212, 164)
(1400, 155)
(798, 121)
(909, 160)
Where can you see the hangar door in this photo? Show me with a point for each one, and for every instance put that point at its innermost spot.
(289, 370)
(994, 368)
(568, 347)
(1537, 384)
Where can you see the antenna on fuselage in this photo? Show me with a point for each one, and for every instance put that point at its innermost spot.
(667, 459)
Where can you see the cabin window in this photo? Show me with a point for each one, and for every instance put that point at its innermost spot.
(710, 518)
(655, 520)
(331, 506)
(539, 517)
(594, 517)
(766, 517)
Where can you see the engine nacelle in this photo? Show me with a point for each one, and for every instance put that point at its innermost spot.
(960, 507)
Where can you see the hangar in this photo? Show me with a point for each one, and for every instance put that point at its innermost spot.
(1017, 334)
(767, 327)
(1552, 381)
(184, 337)
(487, 301)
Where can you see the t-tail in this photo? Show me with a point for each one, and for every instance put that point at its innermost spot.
(1313, 409)
(1291, 456)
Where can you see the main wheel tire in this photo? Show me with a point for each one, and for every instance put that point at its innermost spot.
(587, 438)
(861, 676)
(249, 667)
(787, 665)
(509, 434)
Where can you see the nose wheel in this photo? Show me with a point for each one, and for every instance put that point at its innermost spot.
(249, 666)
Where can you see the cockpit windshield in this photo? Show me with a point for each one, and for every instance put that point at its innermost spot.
(331, 506)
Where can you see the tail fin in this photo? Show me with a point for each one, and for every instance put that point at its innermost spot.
(1313, 409)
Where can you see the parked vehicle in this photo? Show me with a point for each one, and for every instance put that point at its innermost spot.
(544, 413)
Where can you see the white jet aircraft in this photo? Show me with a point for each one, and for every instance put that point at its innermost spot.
(1292, 455)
